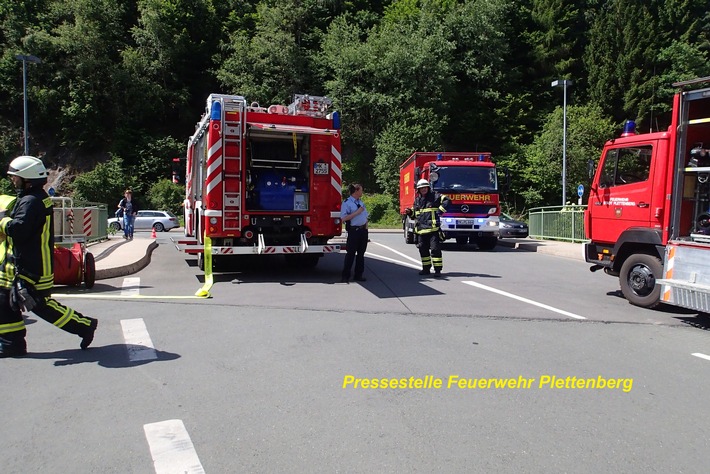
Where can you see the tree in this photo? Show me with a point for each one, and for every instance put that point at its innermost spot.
(167, 195)
(105, 183)
(588, 129)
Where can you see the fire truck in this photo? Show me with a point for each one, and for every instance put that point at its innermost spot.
(264, 180)
(470, 180)
(648, 214)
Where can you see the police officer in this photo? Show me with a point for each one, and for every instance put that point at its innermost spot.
(26, 275)
(427, 207)
(354, 214)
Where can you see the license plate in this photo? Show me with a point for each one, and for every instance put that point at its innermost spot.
(320, 168)
(464, 222)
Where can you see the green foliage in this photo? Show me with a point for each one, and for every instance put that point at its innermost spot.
(166, 195)
(106, 183)
(587, 131)
(381, 211)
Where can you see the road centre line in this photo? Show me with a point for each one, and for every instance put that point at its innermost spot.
(171, 448)
(524, 300)
(701, 355)
(138, 342)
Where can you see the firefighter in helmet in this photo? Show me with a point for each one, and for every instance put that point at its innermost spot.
(428, 205)
(26, 274)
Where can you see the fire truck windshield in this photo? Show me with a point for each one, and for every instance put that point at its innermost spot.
(466, 178)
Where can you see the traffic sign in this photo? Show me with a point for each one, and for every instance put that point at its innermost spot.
(580, 190)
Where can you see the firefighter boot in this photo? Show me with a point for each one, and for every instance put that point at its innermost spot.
(88, 337)
(14, 348)
(425, 271)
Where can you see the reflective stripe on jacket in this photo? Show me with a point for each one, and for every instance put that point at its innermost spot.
(426, 212)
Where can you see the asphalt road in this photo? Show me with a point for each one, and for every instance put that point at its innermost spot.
(268, 375)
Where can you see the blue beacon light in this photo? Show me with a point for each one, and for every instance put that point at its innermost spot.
(439, 157)
(216, 111)
(629, 128)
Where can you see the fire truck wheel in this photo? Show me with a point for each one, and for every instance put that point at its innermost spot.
(462, 240)
(89, 270)
(638, 280)
(487, 243)
(201, 261)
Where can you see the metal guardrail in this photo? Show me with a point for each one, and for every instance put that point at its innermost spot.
(557, 223)
(79, 221)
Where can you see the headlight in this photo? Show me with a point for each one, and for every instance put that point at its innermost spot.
(213, 220)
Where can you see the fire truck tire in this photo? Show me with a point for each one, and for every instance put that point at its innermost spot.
(89, 270)
(201, 261)
(487, 243)
(638, 280)
(462, 240)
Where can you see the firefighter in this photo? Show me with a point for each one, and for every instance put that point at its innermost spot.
(26, 274)
(427, 207)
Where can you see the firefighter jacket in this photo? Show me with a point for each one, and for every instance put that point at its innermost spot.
(30, 241)
(426, 211)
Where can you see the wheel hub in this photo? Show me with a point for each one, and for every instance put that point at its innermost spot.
(641, 280)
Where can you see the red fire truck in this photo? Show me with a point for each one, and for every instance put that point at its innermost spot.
(648, 215)
(470, 180)
(264, 180)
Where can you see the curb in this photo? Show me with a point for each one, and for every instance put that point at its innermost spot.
(130, 268)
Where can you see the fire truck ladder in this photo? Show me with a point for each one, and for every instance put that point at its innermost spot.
(232, 136)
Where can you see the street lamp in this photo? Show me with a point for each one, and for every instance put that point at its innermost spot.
(564, 83)
(25, 58)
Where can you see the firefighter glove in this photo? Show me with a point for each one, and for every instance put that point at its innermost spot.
(20, 298)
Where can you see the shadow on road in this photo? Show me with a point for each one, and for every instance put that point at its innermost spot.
(113, 356)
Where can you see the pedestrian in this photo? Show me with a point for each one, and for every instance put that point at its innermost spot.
(428, 205)
(129, 208)
(354, 214)
(26, 274)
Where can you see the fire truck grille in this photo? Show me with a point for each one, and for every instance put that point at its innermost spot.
(477, 209)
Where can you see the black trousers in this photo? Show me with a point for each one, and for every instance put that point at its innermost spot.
(356, 247)
(12, 327)
(430, 251)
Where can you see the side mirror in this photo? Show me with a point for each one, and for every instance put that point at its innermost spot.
(433, 177)
(417, 174)
(591, 169)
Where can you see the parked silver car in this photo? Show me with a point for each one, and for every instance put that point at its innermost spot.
(510, 227)
(158, 220)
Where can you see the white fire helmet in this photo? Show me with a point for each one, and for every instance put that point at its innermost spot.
(422, 183)
(28, 167)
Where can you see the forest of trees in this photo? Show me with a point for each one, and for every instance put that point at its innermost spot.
(121, 84)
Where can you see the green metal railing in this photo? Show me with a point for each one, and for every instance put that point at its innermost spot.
(557, 223)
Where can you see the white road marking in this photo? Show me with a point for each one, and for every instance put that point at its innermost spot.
(391, 260)
(398, 253)
(702, 356)
(524, 300)
(131, 286)
(138, 342)
(171, 448)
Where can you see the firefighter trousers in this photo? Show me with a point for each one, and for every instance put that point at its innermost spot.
(12, 325)
(62, 316)
(430, 251)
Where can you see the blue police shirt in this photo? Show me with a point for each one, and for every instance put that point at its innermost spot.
(350, 206)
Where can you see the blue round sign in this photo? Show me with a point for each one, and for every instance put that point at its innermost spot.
(580, 190)
(51, 191)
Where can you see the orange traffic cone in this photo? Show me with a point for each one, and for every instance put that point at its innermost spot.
(153, 235)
